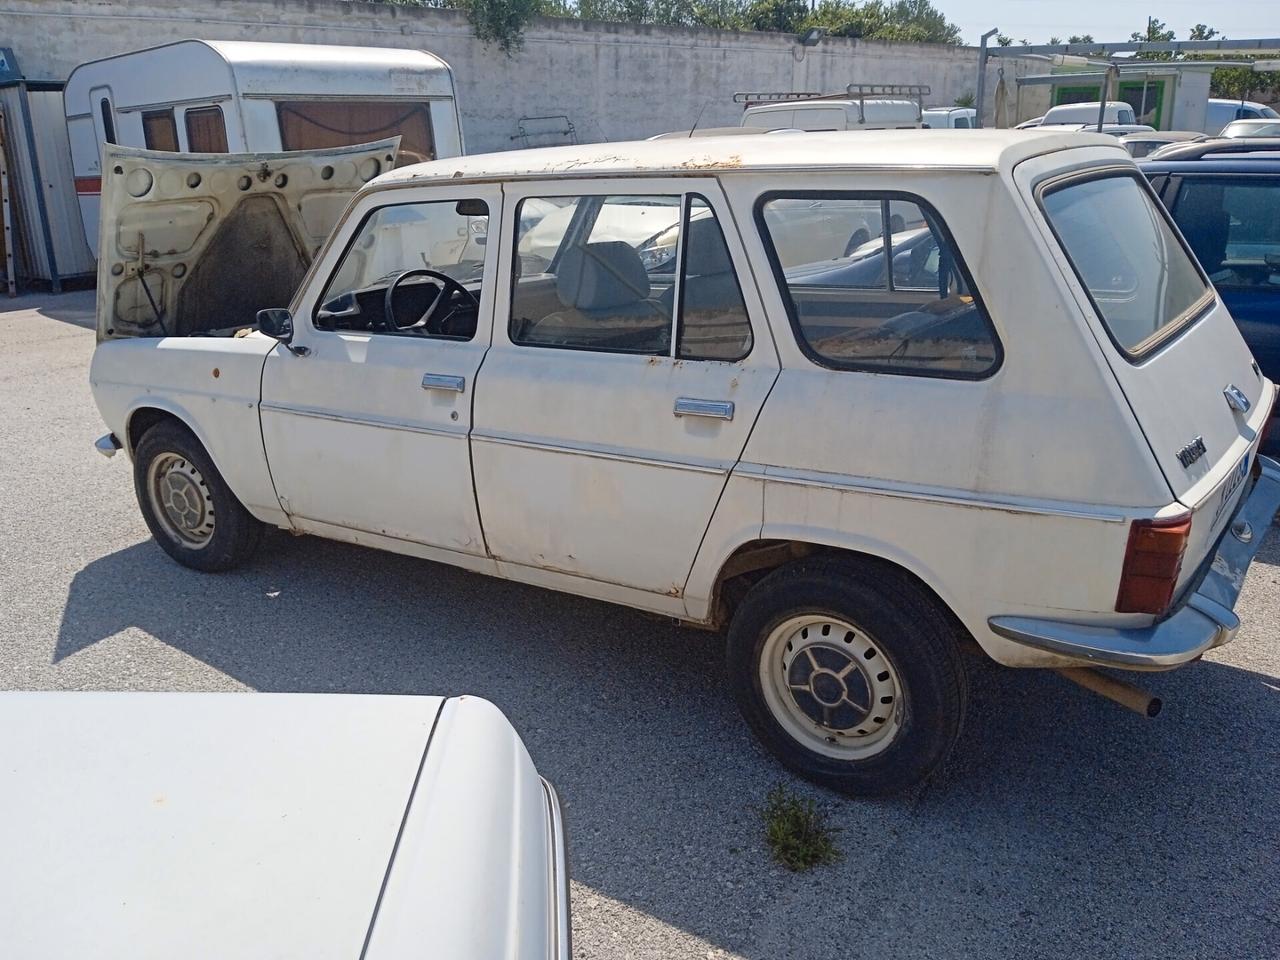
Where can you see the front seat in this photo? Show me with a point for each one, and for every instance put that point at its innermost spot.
(605, 291)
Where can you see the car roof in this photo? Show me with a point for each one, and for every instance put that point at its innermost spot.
(1244, 153)
(980, 151)
(1256, 164)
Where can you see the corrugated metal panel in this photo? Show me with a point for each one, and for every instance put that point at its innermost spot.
(31, 261)
(54, 150)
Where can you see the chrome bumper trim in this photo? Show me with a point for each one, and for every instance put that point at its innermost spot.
(561, 946)
(107, 446)
(1206, 620)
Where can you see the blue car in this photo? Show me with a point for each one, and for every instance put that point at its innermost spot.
(1225, 197)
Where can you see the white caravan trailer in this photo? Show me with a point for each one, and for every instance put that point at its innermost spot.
(222, 96)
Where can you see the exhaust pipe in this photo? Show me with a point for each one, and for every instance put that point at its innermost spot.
(1118, 691)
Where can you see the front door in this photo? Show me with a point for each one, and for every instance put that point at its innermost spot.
(368, 429)
(629, 362)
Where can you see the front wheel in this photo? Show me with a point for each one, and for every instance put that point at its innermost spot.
(849, 673)
(188, 507)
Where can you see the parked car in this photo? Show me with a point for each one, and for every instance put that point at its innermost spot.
(1251, 128)
(835, 114)
(1117, 111)
(1142, 143)
(275, 825)
(1218, 113)
(738, 441)
(1228, 208)
(1117, 130)
(950, 118)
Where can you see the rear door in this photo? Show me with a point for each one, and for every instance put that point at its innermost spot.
(627, 368)
(1170, 342)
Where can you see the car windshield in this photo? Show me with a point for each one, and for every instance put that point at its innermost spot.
(1140, 277)
(1251, 128)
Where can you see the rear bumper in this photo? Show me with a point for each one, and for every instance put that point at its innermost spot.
(1206, 619)
(561, 948)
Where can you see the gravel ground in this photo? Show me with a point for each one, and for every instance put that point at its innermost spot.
(1063, 824)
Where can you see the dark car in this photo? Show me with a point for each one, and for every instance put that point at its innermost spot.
(1225, 197)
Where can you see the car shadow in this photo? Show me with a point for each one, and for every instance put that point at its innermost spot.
(76, 307)
(1061, 818)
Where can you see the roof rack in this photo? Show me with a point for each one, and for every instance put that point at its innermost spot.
(778, 96)
(888, 89)
(1198, 150)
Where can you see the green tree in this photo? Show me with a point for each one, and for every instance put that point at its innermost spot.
(776, 16)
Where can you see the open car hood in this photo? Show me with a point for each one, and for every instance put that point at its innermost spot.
(199, 243)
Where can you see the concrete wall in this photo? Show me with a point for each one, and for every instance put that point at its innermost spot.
(612, 81)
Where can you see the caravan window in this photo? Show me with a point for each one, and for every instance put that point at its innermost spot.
(159, 131)
(108, 123)
(310, 125)
(206, 131)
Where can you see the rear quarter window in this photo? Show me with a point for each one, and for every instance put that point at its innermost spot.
(1143, 282)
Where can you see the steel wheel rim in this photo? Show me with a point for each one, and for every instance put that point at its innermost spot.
(830, 686)
(180, 500)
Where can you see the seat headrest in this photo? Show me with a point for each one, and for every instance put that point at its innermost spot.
(597, 276)
(705, 251)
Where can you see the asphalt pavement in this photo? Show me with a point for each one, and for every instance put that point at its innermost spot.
(1063, 826)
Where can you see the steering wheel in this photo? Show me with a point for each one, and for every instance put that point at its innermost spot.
(448, 287)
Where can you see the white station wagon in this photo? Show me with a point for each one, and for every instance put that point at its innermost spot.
(1017, 414)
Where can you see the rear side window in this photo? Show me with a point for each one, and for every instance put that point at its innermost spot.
(1233, 226)
(874, 282)
(1143, 283)
(159, 132)
(623, 273)
(206, 131)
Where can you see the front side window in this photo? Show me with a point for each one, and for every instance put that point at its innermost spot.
(159, 132)
(1143, 283)
(413, 269)
(1233, 227)
(874, 282)
(316, 124)
(206, 131)
(627, 274)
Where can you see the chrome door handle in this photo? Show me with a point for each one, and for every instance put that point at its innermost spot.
(715, 409)
(443, 381)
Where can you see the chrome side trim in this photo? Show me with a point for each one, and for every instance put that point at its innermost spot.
(717, 467)
(561, 946)
(107, 446)
(460, 433)
(715, 409)
(960, 498)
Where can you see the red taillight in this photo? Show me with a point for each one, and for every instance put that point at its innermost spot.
(1152, 562)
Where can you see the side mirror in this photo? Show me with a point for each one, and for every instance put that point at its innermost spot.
(277, 323)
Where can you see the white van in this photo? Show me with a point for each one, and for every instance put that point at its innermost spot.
(830, 115)
(221, 96)
(950, 118)
(1117, 112)
(1218, 113)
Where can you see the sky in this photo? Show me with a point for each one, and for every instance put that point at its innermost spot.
(1038, 20)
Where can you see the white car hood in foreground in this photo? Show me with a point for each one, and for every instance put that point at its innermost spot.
(265, 825)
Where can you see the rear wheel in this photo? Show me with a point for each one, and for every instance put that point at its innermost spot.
(849, 673)
(190, 510)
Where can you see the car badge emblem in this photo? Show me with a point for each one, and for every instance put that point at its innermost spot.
(1192, 452)
(1236, 399)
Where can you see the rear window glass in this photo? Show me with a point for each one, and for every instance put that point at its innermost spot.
(313, 125)
(1141, 279)
(1233, 226)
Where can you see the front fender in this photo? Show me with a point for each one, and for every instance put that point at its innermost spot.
(212, 384)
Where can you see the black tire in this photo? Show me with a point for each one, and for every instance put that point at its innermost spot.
(235, 533)
(904, 622)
